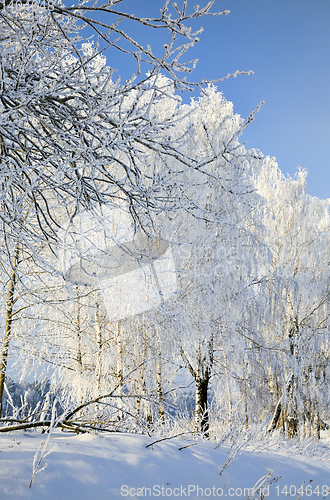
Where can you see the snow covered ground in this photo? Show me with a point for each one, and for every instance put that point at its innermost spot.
(113, 466)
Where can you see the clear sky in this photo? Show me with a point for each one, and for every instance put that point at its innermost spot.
(287, 44)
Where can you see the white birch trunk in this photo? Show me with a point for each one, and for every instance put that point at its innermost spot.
(8, 327)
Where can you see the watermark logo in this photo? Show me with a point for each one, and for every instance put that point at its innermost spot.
(192, 490)
(134, 272)
(25, 6)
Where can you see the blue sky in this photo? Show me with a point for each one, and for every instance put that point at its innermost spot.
(287, 44)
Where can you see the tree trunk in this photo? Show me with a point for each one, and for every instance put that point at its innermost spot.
(287, 414)
(202, 376)
(201, 407)
(119, 356)
(292, 425)
(205, 424)
(230, 404)
(246, 417)
(138, 385)
(142, 386)
(8, 327)
(119, 369)
(79, 353)
(161, 413)
(316, 423)
(292, 414)
(197, 424)
(98, 371)
(276, 416)
(201, 422)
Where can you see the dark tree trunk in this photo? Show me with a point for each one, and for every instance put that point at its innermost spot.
(204, 423)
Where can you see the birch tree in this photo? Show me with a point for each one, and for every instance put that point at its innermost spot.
(220, 239)
(295, 303)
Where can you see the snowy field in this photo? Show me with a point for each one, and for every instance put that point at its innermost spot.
(104, 467)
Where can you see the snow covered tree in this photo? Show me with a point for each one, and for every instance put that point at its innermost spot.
(22, 287)
(220, 240)
(71, 137)
(292, 319)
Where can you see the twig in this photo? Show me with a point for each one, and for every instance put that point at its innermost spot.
(42, 448)
(164, 439)
(187, 446)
